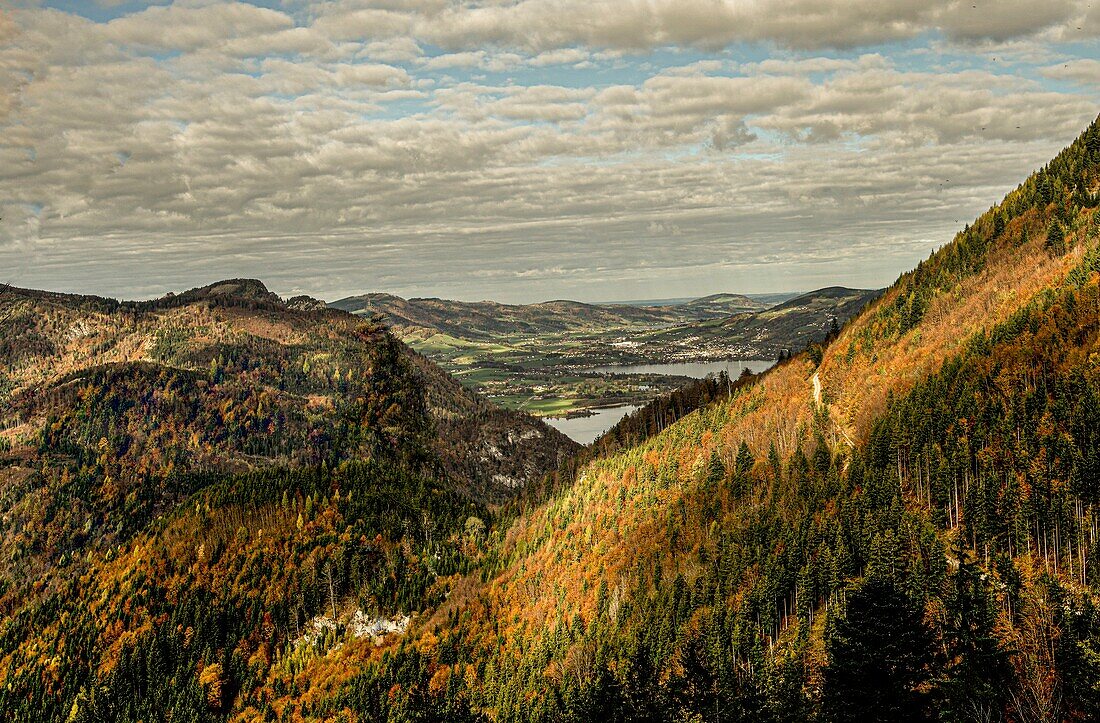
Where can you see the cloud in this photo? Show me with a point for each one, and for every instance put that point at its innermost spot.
(542, 103)
(1085, 71)
(539, 146)
(548, 25)
(178, 27)
(393, 50)
(495, 62)
(285, 41)
(289, 77)
(1001, 20)
(362, 24)
(811, 65)
(561, 56)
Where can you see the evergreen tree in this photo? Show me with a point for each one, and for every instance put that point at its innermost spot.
(1056, 238)
(879, 657)
(978, 669)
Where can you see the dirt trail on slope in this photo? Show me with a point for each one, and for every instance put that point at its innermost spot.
(817, 401)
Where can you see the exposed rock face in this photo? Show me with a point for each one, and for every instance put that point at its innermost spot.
(305, 303)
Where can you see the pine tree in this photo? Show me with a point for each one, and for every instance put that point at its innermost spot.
(879, 655)
(716, 471)
(1056, 238)
(978, 670)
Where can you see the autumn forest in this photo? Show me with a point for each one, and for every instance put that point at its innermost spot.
(222, 505)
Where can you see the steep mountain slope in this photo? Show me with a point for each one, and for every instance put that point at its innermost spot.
(898, 526)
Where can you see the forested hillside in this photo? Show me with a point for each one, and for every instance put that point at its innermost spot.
(229, 377)
(191, 478)
(897, 524)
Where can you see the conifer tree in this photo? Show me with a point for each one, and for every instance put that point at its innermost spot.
(879, 657)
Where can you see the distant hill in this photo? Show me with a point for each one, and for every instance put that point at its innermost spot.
(235, 343)
(788, 327)
(774, 299)
(717, 306)
(726, 325)
(220, 508)
(795, 323)
(486, 319)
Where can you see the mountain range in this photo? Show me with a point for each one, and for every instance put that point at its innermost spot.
(484, 320)
(230, 507)
(761, 329)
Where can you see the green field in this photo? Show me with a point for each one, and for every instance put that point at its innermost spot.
(535, 358)
(545, 375)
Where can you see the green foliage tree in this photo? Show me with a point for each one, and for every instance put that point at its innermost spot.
(1056, 238)
(880, 655)
(977, 670)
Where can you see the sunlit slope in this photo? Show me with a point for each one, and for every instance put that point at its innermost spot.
(196, 487)
(719, 521)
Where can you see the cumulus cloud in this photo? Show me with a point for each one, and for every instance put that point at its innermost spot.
(545, 25)
(561, 56)
(284, 41)
(542, 102)
(1080, 70)
(392, 50)
(179, 27)
(1003, 19)
(537, 146)
(496, 62)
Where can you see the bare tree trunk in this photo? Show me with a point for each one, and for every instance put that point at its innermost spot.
(331, 582)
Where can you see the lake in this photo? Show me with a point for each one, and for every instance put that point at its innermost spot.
(586, 429)
(695, 370)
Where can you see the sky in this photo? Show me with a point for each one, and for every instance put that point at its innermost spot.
(520, 151)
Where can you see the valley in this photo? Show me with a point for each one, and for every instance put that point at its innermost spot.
(223, 505)
(558, 359)
(359, 361)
